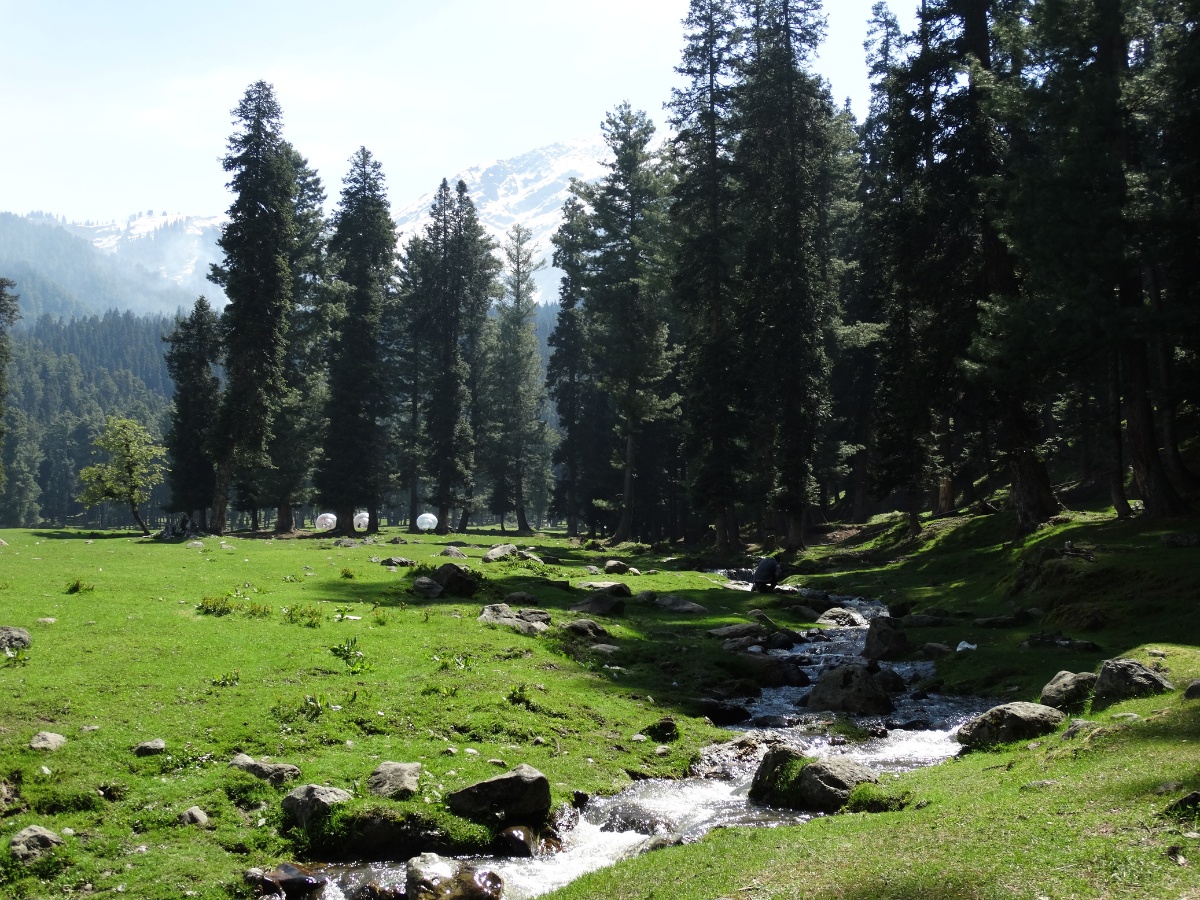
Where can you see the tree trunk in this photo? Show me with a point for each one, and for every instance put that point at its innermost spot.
(1158, 495)
(1116, 474)
(137, 518)
(624, 530)
(345, 520)
(373, 519)
(1166, 399)
(443, 525)
(413, 510)
(795, 531)
(1032, 494)
(221, 495)
(285, 518)
(522, 520)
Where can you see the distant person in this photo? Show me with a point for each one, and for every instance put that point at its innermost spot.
(767, 575)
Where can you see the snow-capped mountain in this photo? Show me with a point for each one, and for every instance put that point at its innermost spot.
(529, 189)
(177, 247)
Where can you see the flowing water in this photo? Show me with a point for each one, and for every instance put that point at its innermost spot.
(649, 814)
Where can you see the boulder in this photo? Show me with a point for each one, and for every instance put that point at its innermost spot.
(453, 553)
(586, 628)
(722, 714)
(311, 803)
(600, 604)
(629, 815)
(646, 597)
(529, 556)
(193, 815)
(615, 567)
(521, 598)
(398, 562)
(803, 613)
(1126, 679)
(774, 671)
(13, 638)
(849, 689)
(291, 881)
(1010, 722)
(890, 680)
(151, 748)
(276, 773)
(1192, 691)
(48, 741)
(32, 843)
(664, 730)
(519, 797)
(841, 618)
(591, 570)
(741, 630)
(398, 540)
(427, 588)
(516, 841)
(825, 785)
(8, 797)
(499, 552)
(432, 877)
(395, 781)
(1068, 690)
(343, 543)
(456, 580)
(885, 639)
(527, 621)
(615, 588)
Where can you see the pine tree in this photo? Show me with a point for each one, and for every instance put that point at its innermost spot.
(585, 417)
(625, 286)
(193, 351)
(785, 157)
(515, 387)
(706, 248)
(9, 314)
(257, 243)
(353, 471)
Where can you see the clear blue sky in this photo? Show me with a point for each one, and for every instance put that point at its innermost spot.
(110, 108)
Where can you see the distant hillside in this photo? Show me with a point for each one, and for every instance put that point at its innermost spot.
(62, 274)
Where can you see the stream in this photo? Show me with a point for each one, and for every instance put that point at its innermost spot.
(649, 814)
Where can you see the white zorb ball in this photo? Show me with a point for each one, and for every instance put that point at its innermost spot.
(325, 521)
(361, 520)
(427, 521)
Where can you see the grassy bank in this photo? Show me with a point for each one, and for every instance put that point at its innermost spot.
(230, 647)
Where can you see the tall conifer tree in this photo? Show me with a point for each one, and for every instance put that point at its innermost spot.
(9, 313)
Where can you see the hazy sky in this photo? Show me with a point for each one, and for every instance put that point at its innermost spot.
(110, 108)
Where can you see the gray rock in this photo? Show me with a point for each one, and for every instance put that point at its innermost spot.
(825, 785)
(453, 553)
(1078, 727)
(615, 567)
(600, 604)
(586, 628)
(849, 689)
(528, 556)
(613, 588)
(842, 618)
(1068, 690)
(1126, 679)
(499, 552)
(398, 562)
(1192, 691)
(885, 639)
(395, 781)
(32, 843)
(398, 540)
(193, 816)
(48, 741)
(740, 630)
(310, 803)
(456, 580)
(591, 570)
(517, 841)
(529, 622)
(432, 877)
(1010, 722)
(646, 597)
(427, 587)
(521, 598)
(519, 797)
(934, 650)
(8, 797)
(345, 543)
(291, 881)
(606, 649)
(276, 773)
(803, 613)
(891, 681)
(13, 638)
(151, 748)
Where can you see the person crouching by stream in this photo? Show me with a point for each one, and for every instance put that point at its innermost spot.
(767, 575)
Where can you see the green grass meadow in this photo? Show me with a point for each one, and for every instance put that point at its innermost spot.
(312, 654)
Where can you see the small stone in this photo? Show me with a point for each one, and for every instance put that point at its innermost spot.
(471, 751)
(150, 748)
(639, 739)
(662, 751)
(34, 842)
(450, 751)
(498, 762)
(48, 741)
(194, 816)
(48, 620)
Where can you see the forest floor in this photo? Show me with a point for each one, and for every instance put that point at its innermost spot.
(230, 646)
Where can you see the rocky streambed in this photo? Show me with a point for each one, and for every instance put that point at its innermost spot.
(913, 729)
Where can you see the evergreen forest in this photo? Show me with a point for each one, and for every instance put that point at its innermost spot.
(982, 295)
